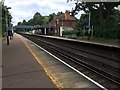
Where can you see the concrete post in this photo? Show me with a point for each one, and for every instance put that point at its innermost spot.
(45, 31)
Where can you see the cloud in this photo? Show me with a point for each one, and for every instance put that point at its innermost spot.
(25, 9)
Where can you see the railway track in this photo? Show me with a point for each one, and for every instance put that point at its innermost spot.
(89, 64)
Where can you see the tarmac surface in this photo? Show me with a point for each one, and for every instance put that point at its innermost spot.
(27, 66)
(20, 69)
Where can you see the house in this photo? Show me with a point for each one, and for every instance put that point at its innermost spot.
(63, 21)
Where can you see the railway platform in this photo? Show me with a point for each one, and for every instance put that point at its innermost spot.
(26, 65)
(20, 69)
(114, 44)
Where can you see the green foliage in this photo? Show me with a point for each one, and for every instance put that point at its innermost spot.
(70, 34)
(51, 16)
(6, 16)
(24, 22)
(59, 13)
(38, 19)
(104, 18)
(19, 23)
(46, 20)
(37, 14)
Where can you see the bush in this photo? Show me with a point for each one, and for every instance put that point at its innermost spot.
(3, 34)
(70, 34)
(80, 32)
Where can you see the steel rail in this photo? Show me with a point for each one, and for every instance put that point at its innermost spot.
(70, 57)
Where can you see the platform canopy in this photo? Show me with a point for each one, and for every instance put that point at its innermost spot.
(41, 26)
(24, 26)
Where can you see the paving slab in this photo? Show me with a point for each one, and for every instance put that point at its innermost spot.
(65, 77)
(20, 68)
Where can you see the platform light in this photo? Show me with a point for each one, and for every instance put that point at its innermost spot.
(6, 8)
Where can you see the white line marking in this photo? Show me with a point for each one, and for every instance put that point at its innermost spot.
(71, 67)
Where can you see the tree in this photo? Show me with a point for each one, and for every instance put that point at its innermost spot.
(30, 22)
(6, 16)
(24, 22)
(37, 19)
(102, 16)
(83, 21)
(37, 14)
(46, 19)
(59, 13)
(19, 23)
(51, 16)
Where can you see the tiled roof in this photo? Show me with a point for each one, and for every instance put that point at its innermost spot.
(41, 26)
(65, 16)
(23, 26)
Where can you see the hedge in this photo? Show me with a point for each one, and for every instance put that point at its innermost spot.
(70, 34)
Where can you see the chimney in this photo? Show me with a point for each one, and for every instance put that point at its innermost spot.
(67, 14)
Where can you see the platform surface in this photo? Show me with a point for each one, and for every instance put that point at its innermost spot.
(20, 69)
(26, 65)
(61, 74)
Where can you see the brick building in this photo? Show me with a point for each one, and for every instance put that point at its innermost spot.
(65, 21)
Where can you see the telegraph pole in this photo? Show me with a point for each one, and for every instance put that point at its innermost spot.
(89, 25)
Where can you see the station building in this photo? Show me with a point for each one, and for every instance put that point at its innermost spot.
(63, 22)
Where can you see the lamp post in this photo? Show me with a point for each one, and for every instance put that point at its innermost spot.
(89, 25)
(49, 29)
(7, 24)
(58, 27)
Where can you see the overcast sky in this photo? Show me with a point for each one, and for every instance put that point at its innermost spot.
(25, 9)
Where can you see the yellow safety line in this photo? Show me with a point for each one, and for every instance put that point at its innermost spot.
(48, 74)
